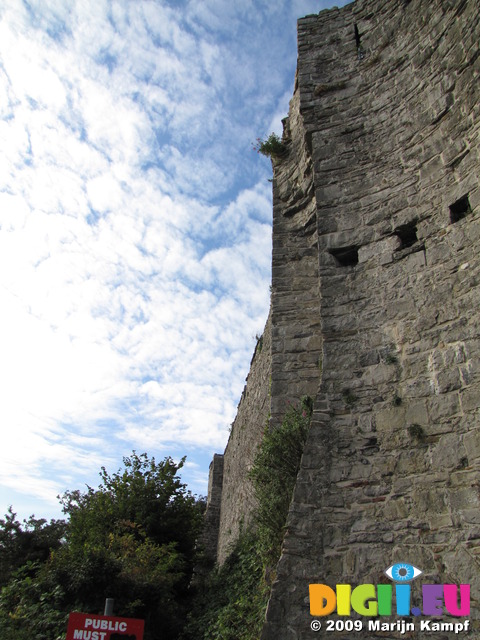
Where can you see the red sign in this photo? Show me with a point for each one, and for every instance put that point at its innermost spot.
(85, 626)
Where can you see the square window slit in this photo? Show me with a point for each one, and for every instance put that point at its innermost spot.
(345, 256)
(407, 234)
(460, 209)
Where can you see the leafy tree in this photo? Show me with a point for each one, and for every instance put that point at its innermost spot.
(145, 493)
(31, 606)
(28, 602)
(31, 542)
(132, 539)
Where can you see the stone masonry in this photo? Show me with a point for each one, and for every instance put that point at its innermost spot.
(208, 541)
(253, 412)
(375, 297)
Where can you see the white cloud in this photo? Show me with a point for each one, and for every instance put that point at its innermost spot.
(134, 229)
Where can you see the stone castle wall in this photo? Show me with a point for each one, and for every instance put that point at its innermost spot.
(208, 540)
(375, 292)
(295, 301)
(246, 434)
(391, 468)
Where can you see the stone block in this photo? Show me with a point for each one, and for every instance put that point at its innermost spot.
(414, 261)
(448, 453)
(464, 498)
(448, 380)
(416, 412)
(469, 398)
(390, 418)
(444, 406)
(395, 509)
(471, 441)
(378, 249)
(412, 462)
(378, 375)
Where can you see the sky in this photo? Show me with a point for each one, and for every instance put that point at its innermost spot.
(135, 230)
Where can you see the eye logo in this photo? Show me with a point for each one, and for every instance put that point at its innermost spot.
(402, 572)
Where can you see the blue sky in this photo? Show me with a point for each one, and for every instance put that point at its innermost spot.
(135, 229)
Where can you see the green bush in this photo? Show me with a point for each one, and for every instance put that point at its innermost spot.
(231, 603)
(272, 147)
(31, 606)
(274, 473)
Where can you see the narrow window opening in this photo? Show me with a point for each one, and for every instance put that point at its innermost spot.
(357, 36)
(459, 209)
(407, 234)
(346, 256)
(360, 51)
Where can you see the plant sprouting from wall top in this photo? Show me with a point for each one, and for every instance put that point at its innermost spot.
(272, 146)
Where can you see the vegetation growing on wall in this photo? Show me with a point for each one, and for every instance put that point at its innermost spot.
(231, 602)
(274, 473)
(272, 147)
